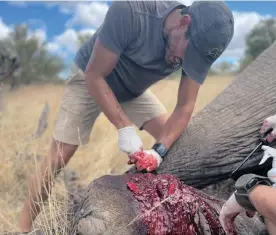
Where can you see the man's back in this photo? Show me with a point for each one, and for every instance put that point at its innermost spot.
(134, 30)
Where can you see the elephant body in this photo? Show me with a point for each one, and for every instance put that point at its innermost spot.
(224, 133)
(215, 142)
(142, 204)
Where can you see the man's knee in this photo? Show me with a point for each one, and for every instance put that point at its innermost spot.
(155, 125)
(147, 113)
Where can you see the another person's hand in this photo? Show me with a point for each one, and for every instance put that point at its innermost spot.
(230, 210)
(269, 123)
(148, 160)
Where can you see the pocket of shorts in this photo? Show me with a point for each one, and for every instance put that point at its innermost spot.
(76, 78)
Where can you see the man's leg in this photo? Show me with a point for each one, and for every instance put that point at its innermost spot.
(77, 115)
(40, 183)
(147, 113)
(155, 126)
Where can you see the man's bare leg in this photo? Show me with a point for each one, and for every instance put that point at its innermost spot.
(40, 184)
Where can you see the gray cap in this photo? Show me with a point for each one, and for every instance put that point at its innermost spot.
(210, 32)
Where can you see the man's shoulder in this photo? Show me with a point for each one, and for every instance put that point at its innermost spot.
(152, 8)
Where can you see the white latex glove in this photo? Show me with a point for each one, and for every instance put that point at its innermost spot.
(269, 123)
(228, 213)
(129, 141)
(268, 151)
(148, 160)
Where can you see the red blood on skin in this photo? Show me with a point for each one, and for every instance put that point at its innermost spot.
(143, 160)
(132, 187)
(264, 127)
(177, 215)
(270, 137)
(250, 214)
(172, 189)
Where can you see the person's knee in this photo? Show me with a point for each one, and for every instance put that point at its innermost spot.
(155, 126)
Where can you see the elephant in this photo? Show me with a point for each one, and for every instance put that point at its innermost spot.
(152, 204)
(216, 141)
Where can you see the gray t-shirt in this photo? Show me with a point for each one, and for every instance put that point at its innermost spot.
(133, 30)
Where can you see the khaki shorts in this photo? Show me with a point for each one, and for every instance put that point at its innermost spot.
(78, 111)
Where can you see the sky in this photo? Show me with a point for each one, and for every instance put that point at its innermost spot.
(58, 23)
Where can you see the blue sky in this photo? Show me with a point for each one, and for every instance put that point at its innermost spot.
(39, 14)
(57, 23)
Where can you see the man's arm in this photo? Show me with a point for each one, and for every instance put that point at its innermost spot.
(178, 121)
(100, 65)
(113, 37)
(264, 199)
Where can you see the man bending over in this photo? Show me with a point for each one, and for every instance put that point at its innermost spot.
(138, 44)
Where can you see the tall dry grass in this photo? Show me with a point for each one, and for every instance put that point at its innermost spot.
(20, 156)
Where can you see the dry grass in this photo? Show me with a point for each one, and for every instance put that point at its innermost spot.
(101, 156)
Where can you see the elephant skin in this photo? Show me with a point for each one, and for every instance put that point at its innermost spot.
(224, 133)
(214, 144)
(117, 205)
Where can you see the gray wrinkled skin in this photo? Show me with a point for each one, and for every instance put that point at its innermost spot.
(220, 136)
(107, 208)
(214, 144)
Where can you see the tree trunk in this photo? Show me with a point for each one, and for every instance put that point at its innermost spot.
(14, 83)
(219, 137)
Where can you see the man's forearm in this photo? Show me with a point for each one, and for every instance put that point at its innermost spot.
(175, 125)
(104, 96)
(264, 199)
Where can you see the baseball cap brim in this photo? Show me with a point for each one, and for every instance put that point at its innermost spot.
(193, 65)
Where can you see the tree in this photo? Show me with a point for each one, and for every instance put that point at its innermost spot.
(261, 37)
(83, 37)
(224, 67)
(258, 40)
(36, 63)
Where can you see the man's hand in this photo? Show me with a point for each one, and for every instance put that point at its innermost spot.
(148, 160)
(131, 144)
(230, 210)
(129, 140)
(269, 123)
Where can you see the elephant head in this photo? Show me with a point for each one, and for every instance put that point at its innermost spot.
(215, 142)
(142, 204)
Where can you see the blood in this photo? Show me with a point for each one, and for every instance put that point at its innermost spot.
(172, 208)
(264, 127)
(144, 160)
